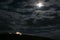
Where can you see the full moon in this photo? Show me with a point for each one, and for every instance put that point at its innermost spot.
(39, 5)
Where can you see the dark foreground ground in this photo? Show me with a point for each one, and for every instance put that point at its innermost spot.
(6, 36)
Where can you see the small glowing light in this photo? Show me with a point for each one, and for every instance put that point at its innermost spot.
(19, 33)
(39, 4)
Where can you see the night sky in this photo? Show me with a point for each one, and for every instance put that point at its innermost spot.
(27, 17)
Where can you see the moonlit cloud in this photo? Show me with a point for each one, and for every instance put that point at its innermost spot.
(40, 5)
(25, 17)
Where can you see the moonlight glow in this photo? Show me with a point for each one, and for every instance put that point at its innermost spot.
(39, 5)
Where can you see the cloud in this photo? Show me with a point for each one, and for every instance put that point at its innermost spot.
(6, 2)
(40, 22)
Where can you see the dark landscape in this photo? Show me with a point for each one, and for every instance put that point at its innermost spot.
(7, 36)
